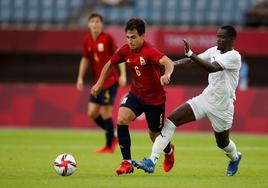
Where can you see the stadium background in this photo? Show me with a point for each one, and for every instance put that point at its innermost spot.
(40, 50)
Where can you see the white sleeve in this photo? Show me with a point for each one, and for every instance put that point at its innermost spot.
(231, 60)
(207, 54)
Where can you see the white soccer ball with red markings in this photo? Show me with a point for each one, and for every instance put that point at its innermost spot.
(65, 164)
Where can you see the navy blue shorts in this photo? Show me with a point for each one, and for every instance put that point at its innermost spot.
(106, 96)
(154, 114)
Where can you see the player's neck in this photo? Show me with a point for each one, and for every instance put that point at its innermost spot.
(226, 50)
(95, 35)
(137, 50)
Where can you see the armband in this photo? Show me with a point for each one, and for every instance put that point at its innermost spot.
(189, 53)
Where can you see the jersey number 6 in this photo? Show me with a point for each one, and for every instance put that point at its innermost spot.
(137, 70)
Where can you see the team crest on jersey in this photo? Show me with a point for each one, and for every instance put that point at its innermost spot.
(100, 47)
(142, 61)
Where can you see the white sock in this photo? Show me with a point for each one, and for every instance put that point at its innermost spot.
(230, 151)
(162, 140)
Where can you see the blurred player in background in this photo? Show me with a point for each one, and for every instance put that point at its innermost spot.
(146, 94)
(98, 48)
(222, 63)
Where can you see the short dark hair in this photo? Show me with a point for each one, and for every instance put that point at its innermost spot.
(95, 14)
(230, 29)
(136, 23)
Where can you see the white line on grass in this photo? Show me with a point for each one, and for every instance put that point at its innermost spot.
(86, 147)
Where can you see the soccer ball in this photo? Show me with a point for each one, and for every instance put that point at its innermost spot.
(65, 164)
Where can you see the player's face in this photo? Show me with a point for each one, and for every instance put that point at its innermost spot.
(95, 25)
(134, 40)
(224, 41)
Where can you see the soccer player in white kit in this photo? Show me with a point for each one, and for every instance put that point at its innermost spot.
(216, 101)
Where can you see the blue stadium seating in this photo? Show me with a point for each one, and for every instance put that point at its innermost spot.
(33, 11)
(76, 3)
(19, 10)
(61, 11)
(170, 12)
(154, 12)
(47, 11)
(5, 11)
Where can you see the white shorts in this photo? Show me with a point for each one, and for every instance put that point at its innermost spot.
(200, 110)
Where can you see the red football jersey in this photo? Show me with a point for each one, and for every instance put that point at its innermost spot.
(145, 72)
(99, 52)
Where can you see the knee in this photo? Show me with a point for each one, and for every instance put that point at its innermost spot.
(125, 116)
(92, 114)
(122, 120)
(153, 135)
(172, 119)
(106, 112)
(222, 143)
(106, 115)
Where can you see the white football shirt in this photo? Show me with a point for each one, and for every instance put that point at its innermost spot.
(220, 92)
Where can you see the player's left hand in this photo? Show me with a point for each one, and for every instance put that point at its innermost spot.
(186, 46)
(165, 79)
(187, 51)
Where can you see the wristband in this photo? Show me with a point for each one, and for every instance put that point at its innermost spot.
(189, 53)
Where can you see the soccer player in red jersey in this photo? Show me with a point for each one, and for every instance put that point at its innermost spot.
(146, 94)
(98, 48)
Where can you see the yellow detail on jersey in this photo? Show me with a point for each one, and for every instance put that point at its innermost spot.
(161, 120)
(137, 71)
(107, 96)
(96, 58)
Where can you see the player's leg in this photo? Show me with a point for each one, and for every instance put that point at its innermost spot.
(155, 118)
(180, 115)
(226, 144)
(94, 114)
(106, 111)
(94, 110)
(125, 116)
(128, 111)
(221, 132)
(190, 111)
(111, 140)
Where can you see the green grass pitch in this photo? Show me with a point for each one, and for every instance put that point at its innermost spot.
(27, 158)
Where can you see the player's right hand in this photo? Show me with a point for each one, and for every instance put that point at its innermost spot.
(80, 84)
(165, 79)
(95, 90)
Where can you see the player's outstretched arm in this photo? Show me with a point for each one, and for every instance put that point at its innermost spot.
(210, 67)
(106, 70)
(183, 62)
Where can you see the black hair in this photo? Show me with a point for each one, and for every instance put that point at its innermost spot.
(230, 29)
(136, 23)
(95, 14)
